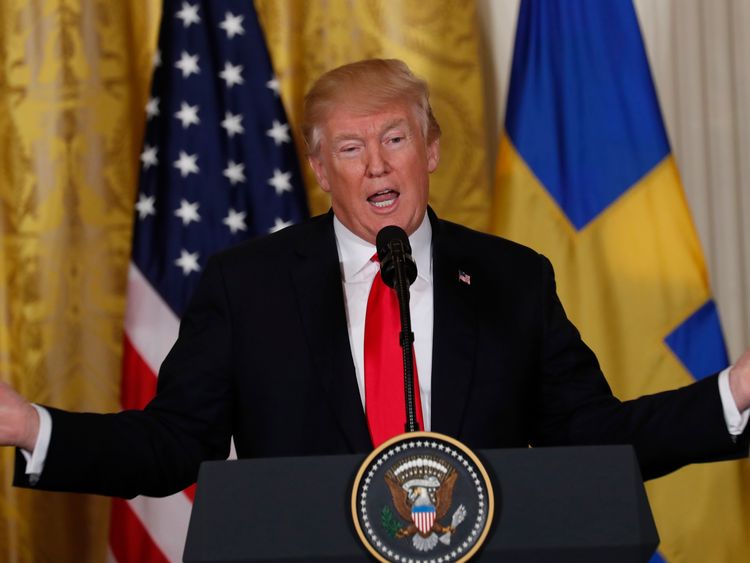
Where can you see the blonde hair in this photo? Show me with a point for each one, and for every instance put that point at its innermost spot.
(367, 86)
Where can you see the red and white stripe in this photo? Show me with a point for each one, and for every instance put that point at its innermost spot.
(145, 529)
(423, 520)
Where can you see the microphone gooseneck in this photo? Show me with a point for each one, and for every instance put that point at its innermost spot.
(399, 270)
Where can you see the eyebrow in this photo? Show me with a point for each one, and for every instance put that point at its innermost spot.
(394, 123)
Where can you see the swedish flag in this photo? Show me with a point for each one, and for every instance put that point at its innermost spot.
(586, 176)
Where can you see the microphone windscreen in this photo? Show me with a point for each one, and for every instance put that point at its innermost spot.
(386, 236)
(393, 248)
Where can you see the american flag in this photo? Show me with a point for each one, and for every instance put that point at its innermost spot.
(218, 166)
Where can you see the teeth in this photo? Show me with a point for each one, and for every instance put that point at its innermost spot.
(384, 198)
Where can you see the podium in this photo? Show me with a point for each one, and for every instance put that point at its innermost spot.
(575, 504)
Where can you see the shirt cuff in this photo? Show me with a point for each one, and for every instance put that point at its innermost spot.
(736, 420)
(35, 459)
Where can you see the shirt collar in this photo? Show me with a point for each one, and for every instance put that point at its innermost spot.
(355, 253)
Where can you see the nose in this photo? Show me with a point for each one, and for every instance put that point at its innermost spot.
(376, 163)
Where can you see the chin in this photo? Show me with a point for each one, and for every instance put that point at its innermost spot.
(387, 223)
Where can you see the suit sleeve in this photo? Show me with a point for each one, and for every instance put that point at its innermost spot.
(156, 451)
(575, 404)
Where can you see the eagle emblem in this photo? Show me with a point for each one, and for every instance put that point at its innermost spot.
(421, 489)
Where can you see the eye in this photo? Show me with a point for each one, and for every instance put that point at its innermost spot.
(395, 140)
(348, 150)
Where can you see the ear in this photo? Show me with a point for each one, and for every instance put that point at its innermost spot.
(433, 155)
(316, 163)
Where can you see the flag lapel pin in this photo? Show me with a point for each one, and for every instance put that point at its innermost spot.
(463, 277)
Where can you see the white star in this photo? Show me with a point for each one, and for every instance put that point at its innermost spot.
(188, 115)
(279, 224)
(187, 164)
(281, 181)
(235, 171)
(273, 85)
(188, 64)
(152, 108)
(188, 14)
(156, 61)
(188, 212)
(279, 133)
(232, 25)
(235, 221)
(145, 206)
(231, 74)
(148, 157)
(233, 124)
(188, 262)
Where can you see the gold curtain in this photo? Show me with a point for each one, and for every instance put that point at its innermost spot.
(74, 76)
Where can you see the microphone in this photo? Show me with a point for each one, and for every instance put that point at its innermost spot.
(393, 250)
(399, 270)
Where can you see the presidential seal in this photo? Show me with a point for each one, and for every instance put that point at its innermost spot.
(422, 497)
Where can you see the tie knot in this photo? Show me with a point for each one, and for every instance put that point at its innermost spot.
(375, 258)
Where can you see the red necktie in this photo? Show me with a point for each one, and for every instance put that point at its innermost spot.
(384, 366)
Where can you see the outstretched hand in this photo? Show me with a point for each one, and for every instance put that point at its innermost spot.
(739, 381)
(19, 421)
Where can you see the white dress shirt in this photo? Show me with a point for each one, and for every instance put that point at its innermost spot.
(358, 271)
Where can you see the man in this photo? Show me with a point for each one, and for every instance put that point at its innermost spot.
(271, 349)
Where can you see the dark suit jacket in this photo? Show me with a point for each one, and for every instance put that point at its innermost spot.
(263, 355)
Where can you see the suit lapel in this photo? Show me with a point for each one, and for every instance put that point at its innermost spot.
(454, 334)
(317, 279)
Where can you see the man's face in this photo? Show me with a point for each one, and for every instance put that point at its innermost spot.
(376, 168)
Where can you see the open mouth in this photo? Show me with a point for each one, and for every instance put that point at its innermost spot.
(383, 198)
